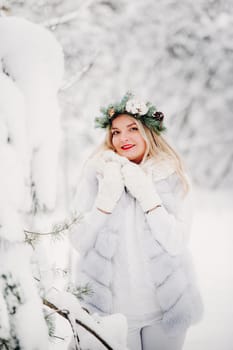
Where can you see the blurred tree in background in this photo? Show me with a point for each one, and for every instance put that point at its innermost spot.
(178, 54)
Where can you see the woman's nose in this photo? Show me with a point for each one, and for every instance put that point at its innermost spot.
(124, 136)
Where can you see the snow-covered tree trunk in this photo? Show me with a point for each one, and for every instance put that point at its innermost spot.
(19, 295)
(30, 74)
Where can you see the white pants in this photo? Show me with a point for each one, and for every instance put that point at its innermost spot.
(151, 336)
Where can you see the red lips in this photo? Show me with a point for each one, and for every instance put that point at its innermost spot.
(126, 147)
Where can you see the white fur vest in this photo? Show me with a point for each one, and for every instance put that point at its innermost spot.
(166, 235)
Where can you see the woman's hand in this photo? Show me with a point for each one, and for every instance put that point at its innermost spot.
(140, 186)
(110, 187)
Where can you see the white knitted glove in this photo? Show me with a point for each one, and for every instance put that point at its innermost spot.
(110, 187)
(110, 155)
(140, 186)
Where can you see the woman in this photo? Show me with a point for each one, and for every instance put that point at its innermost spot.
(133, 239)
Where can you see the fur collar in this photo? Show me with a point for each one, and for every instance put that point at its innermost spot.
(158, 169)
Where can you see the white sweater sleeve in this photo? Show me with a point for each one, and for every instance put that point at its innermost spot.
(172, 228)
(83, 234)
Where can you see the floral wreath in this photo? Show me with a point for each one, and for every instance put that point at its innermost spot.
(145, 112)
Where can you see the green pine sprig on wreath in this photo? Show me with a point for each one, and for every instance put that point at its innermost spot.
(145, 112)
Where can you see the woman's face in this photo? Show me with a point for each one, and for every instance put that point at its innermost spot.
(127, 139)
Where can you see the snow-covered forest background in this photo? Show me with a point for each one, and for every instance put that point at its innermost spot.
(177, 54)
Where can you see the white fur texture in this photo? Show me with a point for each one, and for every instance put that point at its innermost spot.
(163, 249)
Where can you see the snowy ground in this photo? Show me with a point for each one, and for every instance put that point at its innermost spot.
(211, 243)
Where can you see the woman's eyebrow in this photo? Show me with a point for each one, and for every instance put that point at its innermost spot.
(131, 124)
(126, 126)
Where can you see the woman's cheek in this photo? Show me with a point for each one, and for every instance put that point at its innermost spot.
(115, 143)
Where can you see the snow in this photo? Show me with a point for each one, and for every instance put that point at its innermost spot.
(13, 147)
(31, 73)
(25, 44)
(211, 244)
(29, 310)
(4, 319)
(112, 328)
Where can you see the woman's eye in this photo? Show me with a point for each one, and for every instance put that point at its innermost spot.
(134, 128)
(115, 132)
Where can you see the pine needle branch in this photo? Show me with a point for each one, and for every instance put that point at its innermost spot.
(32, 236)
(79, 291)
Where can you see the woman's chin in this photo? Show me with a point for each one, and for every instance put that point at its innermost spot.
(134, 159)
(130, 155)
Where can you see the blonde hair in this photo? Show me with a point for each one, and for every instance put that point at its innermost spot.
(156, 147)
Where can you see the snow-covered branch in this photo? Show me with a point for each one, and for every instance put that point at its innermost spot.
(68, 17)
(79, 75)
(65, 314)
(96, 326)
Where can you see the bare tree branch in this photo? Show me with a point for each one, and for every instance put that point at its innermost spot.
(79, 75)
(65, 314)
(68, 17)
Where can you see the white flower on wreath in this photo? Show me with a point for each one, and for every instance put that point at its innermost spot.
(136, 107)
